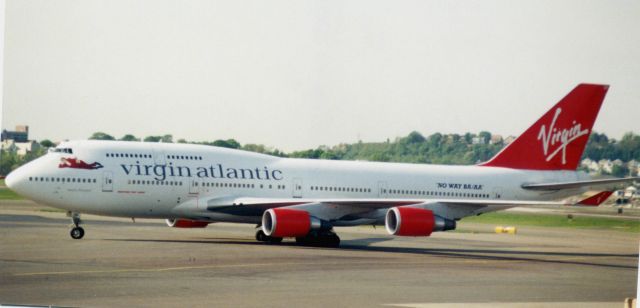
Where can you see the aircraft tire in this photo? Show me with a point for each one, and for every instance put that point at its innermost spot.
(333, 241)
(77, 233)
(260, 236)
(325, 240)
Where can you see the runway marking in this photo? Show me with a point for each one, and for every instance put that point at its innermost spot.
(509, 305)
(312, 264)
(186, 268)
(165, 269)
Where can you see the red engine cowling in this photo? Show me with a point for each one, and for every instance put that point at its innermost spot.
(412, 221)
(186, 223)
(409, 221)
(282, 222)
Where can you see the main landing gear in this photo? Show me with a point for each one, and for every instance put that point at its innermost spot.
(76, 232)
(261, 237)
(324, 239)
(314, 239)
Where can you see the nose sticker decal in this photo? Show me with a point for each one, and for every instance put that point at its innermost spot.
(75, 163)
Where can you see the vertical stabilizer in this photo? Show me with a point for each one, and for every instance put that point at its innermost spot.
(556, 141)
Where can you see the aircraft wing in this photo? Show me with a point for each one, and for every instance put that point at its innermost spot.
(373, 203)
(577, 184)
(353, 209)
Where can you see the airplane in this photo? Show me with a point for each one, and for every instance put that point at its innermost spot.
(192, 185)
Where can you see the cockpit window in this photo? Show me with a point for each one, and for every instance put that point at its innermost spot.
(62, 150)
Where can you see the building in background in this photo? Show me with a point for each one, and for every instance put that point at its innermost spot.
(18, 142)
(21, 134)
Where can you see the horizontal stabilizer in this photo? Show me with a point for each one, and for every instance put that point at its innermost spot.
(596, 199)
(578, 184)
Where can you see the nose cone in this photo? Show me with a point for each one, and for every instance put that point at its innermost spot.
(10, 180)
(16, 180)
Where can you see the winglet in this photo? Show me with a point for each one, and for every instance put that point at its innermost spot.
(596, 199)
(556, 141)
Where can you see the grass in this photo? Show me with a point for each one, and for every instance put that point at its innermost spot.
(556, 221)
(51, 210)
(6, 193)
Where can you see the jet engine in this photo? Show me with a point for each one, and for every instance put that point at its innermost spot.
(412, 221)
(186, 223)
(284, 222)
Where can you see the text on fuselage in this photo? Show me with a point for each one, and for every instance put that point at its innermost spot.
(460, 186)
(217, 171)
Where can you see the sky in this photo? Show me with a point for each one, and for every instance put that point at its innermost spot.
(298, 74)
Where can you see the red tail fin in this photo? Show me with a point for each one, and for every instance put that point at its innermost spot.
(596, 199)
(556, 141)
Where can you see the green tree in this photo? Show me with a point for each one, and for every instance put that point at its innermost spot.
(47, 143)
(8, 162)
(167, 138)
(435, 140)
(164, 139)
(485, 136)
(129, 137)
(619, 170)
(468, 138)
(32, 155)
(229, 143)
(152, 138)
(258, 148)
(415, 137)
(101, 136)
(629, 147)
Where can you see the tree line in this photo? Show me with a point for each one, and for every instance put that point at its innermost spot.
(437, 148)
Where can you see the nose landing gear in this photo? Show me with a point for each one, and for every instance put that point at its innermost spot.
(76, 232)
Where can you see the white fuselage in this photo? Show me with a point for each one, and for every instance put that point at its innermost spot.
(153, 179)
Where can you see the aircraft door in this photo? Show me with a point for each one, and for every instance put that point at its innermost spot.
(382, 189)
(297, 188)
(158, 157)
(107, 181)
(497, 193)
(193, 187)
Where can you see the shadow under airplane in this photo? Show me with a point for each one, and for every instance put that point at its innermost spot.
(474, 254)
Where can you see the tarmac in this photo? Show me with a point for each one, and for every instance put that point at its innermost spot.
(146, 263)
